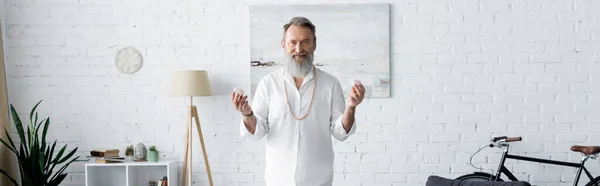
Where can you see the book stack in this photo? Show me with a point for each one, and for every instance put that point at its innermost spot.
(163, 182)
(106, 156)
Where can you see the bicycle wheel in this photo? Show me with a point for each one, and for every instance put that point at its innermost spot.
(595, 180)
(477, 176)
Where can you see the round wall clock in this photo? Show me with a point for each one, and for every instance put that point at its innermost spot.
(128, 60)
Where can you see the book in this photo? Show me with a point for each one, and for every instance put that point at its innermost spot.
(104, 152)
(101, 160)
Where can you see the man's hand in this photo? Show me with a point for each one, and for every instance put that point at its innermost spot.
(240, 103)
(356, 96)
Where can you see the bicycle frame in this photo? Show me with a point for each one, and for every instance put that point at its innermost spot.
(505, 155)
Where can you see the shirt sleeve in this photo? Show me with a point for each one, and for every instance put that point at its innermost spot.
(337, 111)
(260, 107)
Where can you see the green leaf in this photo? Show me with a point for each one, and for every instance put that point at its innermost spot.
(35, 125)
(51, 154)
(35, 149)
(68, 156)
(23, 151)
(45, 132)
(56, 181)
(48, 174)
(49, 165)
(35, 169)
(46, 163)
(62, 150)
(34, 153)
(38, 159)
(36, 139)
(11, 179)
(31, 114)
(52, 164)
(23, 164)
(37, 128)
(18, 125)
(32, 122)
(8, 146)
(10, 139)
(29, 139)
(33, 110)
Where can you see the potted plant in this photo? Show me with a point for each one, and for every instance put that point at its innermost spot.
(129, 153)
(152, 154)
(37, 160)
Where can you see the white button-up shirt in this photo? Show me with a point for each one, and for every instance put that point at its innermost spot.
(298, 152)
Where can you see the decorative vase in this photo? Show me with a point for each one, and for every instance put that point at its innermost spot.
(140, 152)
(153, 156)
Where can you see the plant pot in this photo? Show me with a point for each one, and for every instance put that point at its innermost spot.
(129, 158)
(153, 156)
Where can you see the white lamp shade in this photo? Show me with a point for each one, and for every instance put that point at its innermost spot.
(190, 83)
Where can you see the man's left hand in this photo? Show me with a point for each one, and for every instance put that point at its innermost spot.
(356, 96)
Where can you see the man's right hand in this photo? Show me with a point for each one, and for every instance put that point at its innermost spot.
(240, 103)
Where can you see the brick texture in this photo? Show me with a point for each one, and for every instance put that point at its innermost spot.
(462, 72)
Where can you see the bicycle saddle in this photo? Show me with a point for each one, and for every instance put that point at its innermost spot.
(587, 150)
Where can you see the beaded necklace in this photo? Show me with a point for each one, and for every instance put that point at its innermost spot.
(311, 99)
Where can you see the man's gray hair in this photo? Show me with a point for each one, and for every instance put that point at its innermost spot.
(301, 22)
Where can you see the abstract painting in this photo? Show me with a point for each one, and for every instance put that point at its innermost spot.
(353, 42)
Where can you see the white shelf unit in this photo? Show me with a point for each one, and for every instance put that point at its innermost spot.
(130, 173)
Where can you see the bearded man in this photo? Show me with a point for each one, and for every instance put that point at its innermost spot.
(299, 108)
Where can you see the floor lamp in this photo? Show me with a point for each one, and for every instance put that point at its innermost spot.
(190, 83)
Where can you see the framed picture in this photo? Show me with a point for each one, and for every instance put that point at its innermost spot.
(353, 42)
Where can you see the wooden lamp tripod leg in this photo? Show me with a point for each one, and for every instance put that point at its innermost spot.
(188, 146)
(195, 115)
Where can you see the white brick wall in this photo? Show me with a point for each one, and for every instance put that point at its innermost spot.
(462, 72)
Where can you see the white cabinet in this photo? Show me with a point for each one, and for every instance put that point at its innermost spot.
(130, 173)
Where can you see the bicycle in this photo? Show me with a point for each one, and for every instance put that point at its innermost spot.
(588, 152)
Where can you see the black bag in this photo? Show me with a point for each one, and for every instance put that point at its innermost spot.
(440, 181)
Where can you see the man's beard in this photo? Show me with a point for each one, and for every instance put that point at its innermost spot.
(299, 68)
